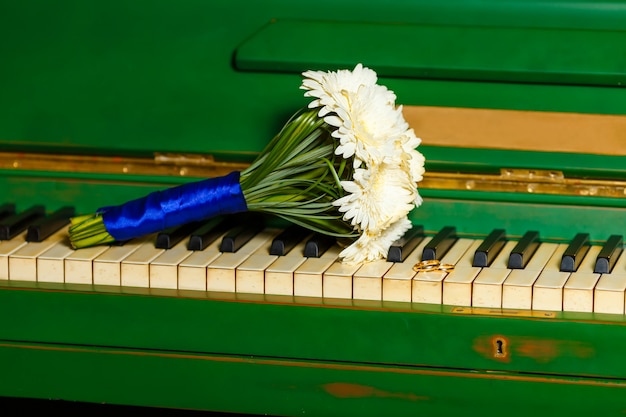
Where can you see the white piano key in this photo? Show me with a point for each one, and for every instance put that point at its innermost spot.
(548, 291)
(579, 288)
(221, 272)
(367, 281)
(610, 291)
(250, 274)
(51, 263)
(79, 264)
(308, 278)
(517, 289)
(192, 271)
(135, 268)
(457, 285)
(487, 287)
(279, 275)
(548, 288)
(427, 287)
(8, 247)
(23, 262)
(337, 280)
(164, 268)
(397, 282)
(107, 268)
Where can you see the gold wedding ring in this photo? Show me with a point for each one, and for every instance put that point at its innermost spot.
(432, 265)
(446, 267)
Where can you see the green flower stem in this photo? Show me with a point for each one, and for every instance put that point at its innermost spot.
(297, 177)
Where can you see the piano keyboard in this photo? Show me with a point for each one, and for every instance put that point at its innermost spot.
(494, 272)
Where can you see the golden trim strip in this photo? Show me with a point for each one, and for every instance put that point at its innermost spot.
(178, 165)
(205, 166)
(480, 311)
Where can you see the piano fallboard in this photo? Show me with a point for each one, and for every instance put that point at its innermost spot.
(284, 355)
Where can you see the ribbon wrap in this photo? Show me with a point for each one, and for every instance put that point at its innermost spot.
(175, 206)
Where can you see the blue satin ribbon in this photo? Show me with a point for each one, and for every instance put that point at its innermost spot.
(174, 207)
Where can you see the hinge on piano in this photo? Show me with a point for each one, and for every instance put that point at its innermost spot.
(532, 175)
(526, 181)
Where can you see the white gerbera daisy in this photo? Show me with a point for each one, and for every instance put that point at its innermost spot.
(368, 126)
(371, 130)
(370, 247)
(328, 87)
(377, 197)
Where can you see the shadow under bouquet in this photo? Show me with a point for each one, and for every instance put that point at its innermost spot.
(346, 166)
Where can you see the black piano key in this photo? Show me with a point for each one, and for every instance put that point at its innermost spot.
(317, 245)
(171, 236)
(609, 254)
(524, 250)
(17, 223)
(208, 233)
(440, 244)
(575, 252)
(45, 226)
(489, 249)
(240, 235)
(399, 249)
(287, 240)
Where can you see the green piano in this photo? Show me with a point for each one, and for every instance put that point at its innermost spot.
(521, 107)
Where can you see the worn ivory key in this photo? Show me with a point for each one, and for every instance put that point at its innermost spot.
(135, 269)
(79, 264)
(457, 286)
(308, 278)
(8, 247)
(548, 288)
(427, 287)
(221, 272)
(23, 262)
(517, 289)
(279, 275)
(337, 280)
(250, 274)
(192, 271)
(367, 281)
(578, 290)
(397, 281)
(610, 291)
(164, 268)
(107, 266)
(487, 287)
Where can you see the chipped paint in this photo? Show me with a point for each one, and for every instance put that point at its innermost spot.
(347, 390)
(540, 350)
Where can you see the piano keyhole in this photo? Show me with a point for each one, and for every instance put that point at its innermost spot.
(500, 347)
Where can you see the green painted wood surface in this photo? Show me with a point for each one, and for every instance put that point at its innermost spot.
(480, 53)
(122, 77)
(146, 76)
(310, 329)
(288, 358)
(283, 387)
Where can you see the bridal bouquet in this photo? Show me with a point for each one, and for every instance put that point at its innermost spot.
(346, 166)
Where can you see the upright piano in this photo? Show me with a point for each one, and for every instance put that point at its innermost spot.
(522, 110)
